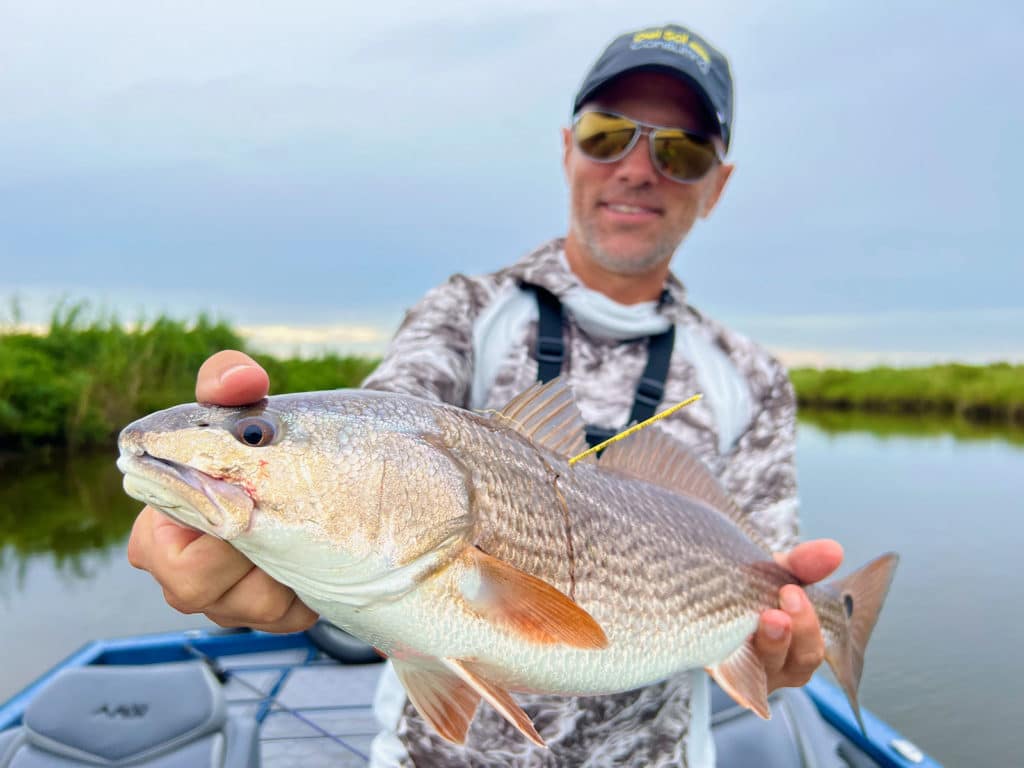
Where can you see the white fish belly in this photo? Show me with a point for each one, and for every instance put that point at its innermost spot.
(414, 626)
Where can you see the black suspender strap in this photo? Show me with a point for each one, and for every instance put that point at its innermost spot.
(550, 355)
(651, 388)
(596, 435)
(550, 350)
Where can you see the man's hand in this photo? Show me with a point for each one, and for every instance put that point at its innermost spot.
(789, 640)
(201, 573)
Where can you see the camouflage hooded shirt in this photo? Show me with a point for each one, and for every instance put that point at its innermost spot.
(439, 352)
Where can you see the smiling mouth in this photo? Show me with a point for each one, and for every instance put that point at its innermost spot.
(628, 209)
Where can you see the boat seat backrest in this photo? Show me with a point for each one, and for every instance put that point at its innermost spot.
(151, 716)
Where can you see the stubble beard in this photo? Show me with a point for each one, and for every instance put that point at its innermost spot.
(659, 253)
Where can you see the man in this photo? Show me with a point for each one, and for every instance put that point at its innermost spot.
(644, 160)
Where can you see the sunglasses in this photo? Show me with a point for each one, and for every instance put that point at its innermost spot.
(679, 155)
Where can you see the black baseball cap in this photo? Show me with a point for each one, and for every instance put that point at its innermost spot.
(673, 49)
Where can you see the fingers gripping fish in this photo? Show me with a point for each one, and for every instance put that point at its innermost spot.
(466, 548)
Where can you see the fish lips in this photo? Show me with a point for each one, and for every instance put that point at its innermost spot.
(193, 498)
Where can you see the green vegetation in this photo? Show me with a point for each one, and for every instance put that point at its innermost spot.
(901, 425)
(313, 375)
(990, 394)
(77, 385)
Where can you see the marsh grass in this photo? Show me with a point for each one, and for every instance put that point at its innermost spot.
(80, 382)
(75, 385)
(987, 394)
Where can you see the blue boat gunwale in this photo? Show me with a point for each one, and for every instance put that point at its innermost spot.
(833, 706)
(174, 646)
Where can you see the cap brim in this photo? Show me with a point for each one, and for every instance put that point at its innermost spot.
(584, 96)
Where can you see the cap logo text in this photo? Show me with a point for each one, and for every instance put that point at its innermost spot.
(677, 42)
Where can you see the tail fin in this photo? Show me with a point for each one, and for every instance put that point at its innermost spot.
(860, 595)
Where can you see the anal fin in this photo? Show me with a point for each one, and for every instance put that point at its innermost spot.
(439, 695)
(742, 676)
(497, 697)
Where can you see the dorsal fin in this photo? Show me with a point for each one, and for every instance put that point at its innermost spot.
(658, 458)
(549, 416)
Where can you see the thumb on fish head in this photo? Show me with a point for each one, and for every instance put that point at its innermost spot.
(230, 377)
(812, 561)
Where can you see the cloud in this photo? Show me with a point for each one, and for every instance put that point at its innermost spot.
(299, 160)
(891, 338)
(317, 340)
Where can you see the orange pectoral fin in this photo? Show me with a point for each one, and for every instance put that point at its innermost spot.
(529, 606)
(743, 677)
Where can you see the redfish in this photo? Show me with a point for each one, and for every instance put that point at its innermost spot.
(467, 548)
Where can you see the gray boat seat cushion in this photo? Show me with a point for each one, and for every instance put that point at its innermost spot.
(152, 716)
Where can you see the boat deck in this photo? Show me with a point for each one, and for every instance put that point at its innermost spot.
(288, 690)
(314, 712)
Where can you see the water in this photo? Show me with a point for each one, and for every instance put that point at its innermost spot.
(64, 576)
(943, 667)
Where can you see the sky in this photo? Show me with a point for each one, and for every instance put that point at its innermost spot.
(308, 169)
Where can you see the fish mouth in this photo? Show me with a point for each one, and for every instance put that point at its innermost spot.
(193, 498)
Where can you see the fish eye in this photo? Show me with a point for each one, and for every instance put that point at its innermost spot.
(255, 431)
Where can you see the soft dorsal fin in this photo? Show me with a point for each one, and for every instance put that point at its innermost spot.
(656, 457)
(549, 416)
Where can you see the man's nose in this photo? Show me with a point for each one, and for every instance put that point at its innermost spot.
(636, 167)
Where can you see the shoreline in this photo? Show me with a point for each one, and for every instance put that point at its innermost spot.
(75, 386)
(983, 394)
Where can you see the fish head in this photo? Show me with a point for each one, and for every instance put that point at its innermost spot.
(335, 480)
(203, 465)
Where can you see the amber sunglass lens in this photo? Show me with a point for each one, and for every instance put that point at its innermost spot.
(683, 156)
(603, 137)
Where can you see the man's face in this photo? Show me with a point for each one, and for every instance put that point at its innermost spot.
(625, 217)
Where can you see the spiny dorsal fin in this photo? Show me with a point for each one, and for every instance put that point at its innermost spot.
(548, 415)
(656, 457)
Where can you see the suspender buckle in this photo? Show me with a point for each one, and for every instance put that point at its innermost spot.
(650, 392)
(550, 349)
